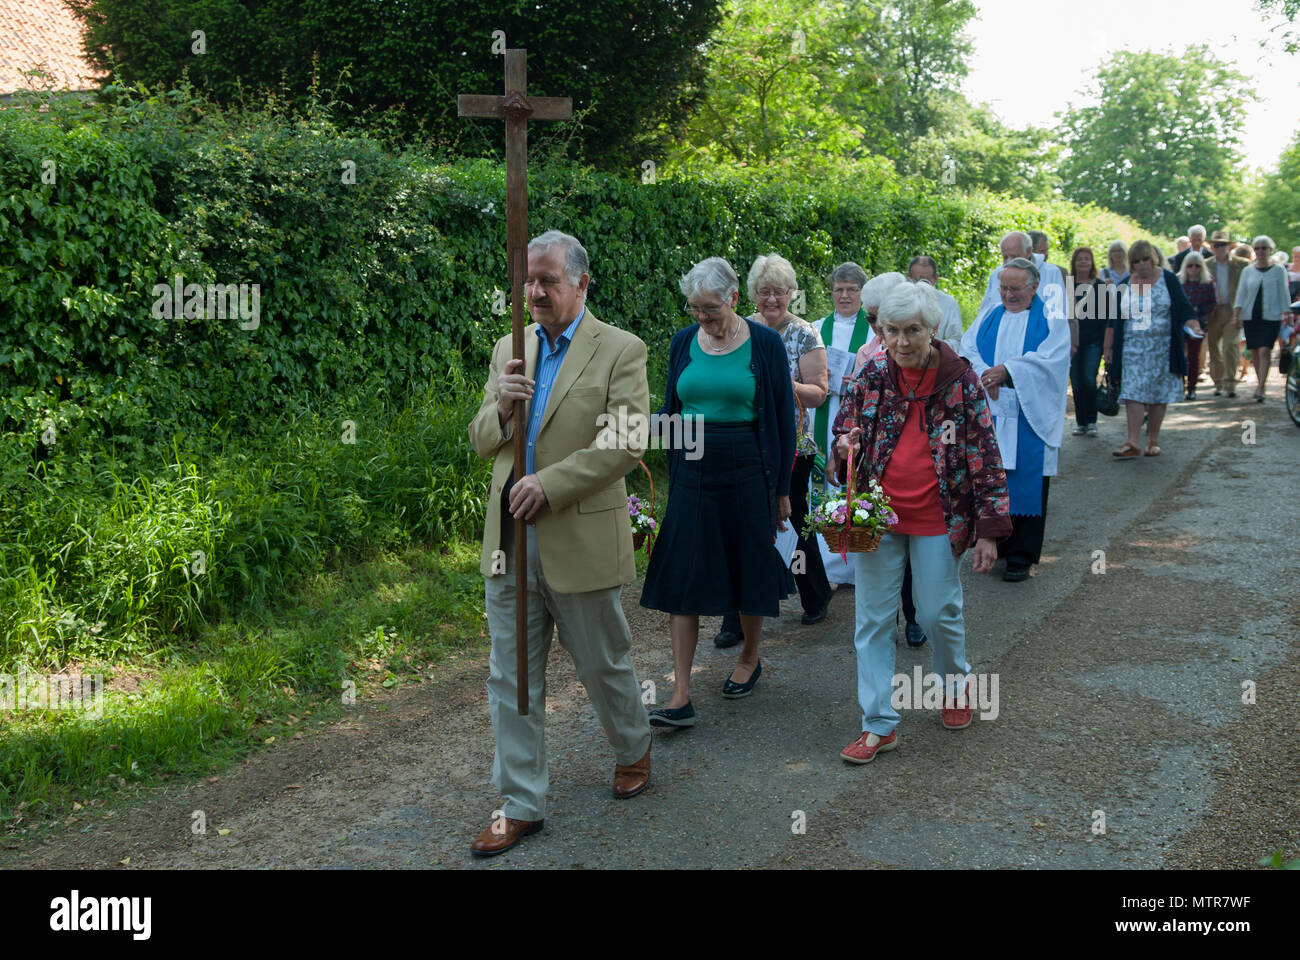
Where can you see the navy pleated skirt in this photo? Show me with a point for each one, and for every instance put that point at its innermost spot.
(714, 553)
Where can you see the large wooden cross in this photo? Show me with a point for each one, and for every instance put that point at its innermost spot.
(517, 109)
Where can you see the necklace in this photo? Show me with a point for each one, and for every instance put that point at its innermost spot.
(722, 349)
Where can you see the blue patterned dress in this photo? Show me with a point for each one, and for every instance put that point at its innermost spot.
(1146, 377)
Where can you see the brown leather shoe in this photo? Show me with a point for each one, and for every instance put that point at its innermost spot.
(493, 841)
(631, 779)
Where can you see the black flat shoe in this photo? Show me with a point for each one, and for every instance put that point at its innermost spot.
(673, 717)
(727, 638)
(915, 635)
(810, 618)
(1015, 574)
(734, 691)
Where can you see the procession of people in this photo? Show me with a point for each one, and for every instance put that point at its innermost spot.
(959, 432)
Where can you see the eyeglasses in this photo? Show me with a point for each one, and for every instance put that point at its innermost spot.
(1221, 243)
(1140, 260)
(767, 293)
(1262, 250)
(1023, 286)
(710, 311)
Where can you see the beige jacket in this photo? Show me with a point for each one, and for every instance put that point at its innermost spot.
(583, 534)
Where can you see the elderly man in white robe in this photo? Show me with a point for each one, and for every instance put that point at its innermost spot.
(1051, 286)
(1021, 353)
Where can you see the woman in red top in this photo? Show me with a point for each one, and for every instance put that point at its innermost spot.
(917, 420)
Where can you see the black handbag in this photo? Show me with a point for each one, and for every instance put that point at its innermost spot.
(1285, 361)
(1108, 396)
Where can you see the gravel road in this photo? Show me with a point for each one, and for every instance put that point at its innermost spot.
(1120, 697)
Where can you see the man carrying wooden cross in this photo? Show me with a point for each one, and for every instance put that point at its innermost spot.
(579, 554)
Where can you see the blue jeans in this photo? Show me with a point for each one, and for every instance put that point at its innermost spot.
(1083, 379)
(936, 589)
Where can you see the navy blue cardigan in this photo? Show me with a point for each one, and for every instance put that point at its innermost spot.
(1180, 311)
(773, 401)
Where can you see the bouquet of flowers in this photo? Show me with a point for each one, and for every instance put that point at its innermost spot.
(853, 523)
(643, 521)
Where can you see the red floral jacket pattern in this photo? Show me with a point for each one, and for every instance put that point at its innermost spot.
(972, 482)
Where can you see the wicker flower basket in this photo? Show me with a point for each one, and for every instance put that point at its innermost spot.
(844, 538)
(639, 536)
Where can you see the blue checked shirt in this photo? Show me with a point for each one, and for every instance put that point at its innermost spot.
(548, 368)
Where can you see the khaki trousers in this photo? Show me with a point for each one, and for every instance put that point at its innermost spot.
(1223, 347)
(594, 631)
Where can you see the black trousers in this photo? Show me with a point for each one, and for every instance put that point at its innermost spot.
(814, 588)
(1025, 545)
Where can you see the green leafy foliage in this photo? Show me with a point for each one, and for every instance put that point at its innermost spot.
(1161, 144)
(629, 65)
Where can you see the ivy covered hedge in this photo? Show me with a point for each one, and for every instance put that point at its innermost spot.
(376, 269)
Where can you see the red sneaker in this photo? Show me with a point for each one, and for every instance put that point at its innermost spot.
(955, 717)
(859, 752)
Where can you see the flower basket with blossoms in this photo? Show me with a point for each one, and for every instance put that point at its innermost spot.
(855, 529)
(642, 517)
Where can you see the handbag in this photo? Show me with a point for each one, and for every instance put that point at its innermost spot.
(1285, 361)
(1108, 395)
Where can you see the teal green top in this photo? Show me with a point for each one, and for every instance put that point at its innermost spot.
(721, 388)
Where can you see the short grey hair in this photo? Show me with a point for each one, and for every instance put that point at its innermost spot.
(924, 261)
(1026, 243)
(1037, 235)
(1265, 239)
(774, 269)
(908, 300)
(576, 262)
(848, 272)
(1020, 263)
(713, 275)
(1194, 229)
(877, 288)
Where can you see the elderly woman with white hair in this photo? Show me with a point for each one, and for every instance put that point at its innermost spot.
(715, 552)
(1263, 294)
(897, 426)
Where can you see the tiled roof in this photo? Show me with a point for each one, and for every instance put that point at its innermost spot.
(46, 35)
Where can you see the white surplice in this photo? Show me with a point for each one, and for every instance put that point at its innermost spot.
(1039, 377)
(837, 571)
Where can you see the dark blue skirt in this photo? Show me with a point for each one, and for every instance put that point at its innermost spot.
(714, 553)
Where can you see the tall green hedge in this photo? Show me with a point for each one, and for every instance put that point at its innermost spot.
(378, 284)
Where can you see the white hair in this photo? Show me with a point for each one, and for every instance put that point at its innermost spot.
(575, 256)
(713, 275)
(774, 269)
(1264, 239)
(907, 300)
(1194, 229)
(1026, 243)
(877, 288)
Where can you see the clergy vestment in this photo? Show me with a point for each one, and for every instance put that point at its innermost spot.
(1028, 414)
(841, 333)
(1051, 290)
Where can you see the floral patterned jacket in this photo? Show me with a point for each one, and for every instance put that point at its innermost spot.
(972, 483)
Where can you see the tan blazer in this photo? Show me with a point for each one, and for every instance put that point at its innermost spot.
(583, 534)
(1235, 266)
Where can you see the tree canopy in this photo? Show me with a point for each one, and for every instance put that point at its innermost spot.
(1161, 143)
(632, 67)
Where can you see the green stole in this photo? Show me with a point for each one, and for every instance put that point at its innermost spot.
(860, 330)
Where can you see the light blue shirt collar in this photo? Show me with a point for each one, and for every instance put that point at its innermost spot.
(567, 335)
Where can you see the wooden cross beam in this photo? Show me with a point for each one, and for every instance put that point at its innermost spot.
(516, 108)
